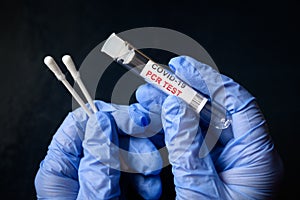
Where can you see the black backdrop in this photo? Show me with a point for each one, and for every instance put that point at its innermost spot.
(253, 42)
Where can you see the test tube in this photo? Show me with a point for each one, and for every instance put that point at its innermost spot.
(125, 54)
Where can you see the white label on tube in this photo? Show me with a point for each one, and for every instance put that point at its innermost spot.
(168, 83)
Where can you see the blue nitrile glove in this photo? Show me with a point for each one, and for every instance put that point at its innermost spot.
(84, 159)
(242, 165)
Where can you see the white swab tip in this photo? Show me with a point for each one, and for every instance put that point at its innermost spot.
(48, 60)
(66, 58)
(51, 64)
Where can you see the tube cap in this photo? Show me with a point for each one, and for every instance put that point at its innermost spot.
(118, 49)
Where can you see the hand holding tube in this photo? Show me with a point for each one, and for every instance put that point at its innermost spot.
(244, 163)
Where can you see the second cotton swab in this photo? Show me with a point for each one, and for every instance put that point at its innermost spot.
(67, 60)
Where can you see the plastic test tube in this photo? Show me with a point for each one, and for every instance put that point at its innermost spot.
(125, 54)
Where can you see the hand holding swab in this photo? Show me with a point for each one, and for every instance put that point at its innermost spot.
(51, 64)
(67, 60)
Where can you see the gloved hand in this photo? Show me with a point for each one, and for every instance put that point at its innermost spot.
(84, 159)
(242, 165)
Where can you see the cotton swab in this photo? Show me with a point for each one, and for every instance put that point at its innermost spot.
(67, 60)
(51, 64)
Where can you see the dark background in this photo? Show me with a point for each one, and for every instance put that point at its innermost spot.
(253, 42)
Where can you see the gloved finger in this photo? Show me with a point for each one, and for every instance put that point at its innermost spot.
(105, 107)
(139, 155)
(99, 167)
(149, 187)
(142, 168)
(210, 82)
(150, 97)
(194, 177)
(132, 120)
(59, 168)
(136, 121)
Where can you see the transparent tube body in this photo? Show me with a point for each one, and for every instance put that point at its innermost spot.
(211, 112)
